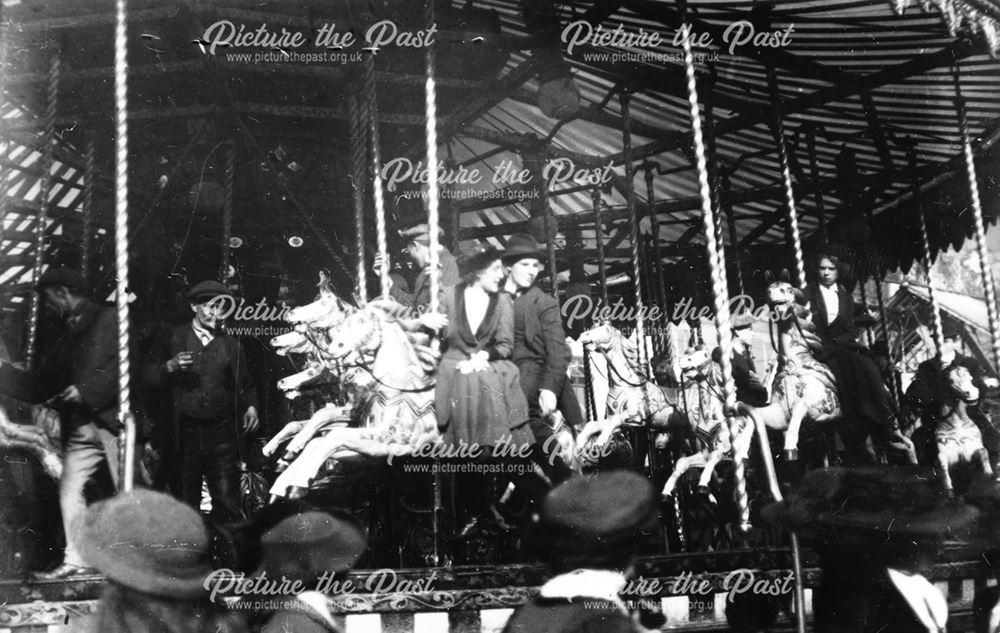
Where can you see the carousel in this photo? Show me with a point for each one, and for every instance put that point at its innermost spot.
(682, 163)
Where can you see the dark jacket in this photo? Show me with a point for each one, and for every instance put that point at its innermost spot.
(217, 386)
(421, 295)
(541, 353)
(85, 355)
(749, 389)
(843, 330)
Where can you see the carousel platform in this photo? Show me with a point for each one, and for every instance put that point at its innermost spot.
(693, 590)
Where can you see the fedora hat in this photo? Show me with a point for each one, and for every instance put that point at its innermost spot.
(871, 506)
(742, 321)
(308, 544)
(475, 257)
(149, 542)
(599, 512)
(523, 246)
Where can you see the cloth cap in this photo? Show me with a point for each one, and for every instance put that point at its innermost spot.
(61, 276)
(206, 290)
(475, 257)
(876, 506)
(149, 542)
(420, 234)
(950, 329)
(598, 512)
(306, 545)
(522, 246)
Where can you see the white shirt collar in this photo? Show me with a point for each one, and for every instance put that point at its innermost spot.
(205, 336)
(598, 584)
(832, 300)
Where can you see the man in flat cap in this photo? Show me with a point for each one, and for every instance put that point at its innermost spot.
(79, 378)
(206, 371)
(419, 249)
(749, 388)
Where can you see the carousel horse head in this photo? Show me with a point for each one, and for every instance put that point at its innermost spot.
(325, 311)
(360, 332)
(601, 337)
(294, 342)
(958, 380)
(696, 364)
(782, 296)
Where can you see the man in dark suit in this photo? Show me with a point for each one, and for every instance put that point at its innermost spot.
(864, 399)
(540, 350)
(210, 384)
(80, 379)
(749, 388)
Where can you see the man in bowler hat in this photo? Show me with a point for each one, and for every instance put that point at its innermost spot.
(206, 371)
(79, 378)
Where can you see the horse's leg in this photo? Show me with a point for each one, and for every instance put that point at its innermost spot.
(303, 469)
(321, 418)
(984, 460)
(944, 460)
(799, 410)
(683, 465)
(714, 457)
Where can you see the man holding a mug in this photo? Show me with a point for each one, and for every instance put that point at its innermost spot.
(210, 385)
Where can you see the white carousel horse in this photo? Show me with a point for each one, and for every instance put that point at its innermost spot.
(632, 399)
(398, 416)
(957, 436)
(804, 386)
(706, 416)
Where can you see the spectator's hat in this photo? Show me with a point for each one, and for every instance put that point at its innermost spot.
(523, 246)
(742, 321)
(206, 290)
(873, 506)
(475, 257)
(308, 544)
(599, 512)
(149, 542)
(61, 276)
(950, 329)
(420, 234)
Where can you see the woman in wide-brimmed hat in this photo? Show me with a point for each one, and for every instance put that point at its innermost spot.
(154, 552)
(478, 396)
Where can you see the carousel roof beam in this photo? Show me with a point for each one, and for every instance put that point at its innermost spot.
(780, 57)
(530, 143)
(957, 50)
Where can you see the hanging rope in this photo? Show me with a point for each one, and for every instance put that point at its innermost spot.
(937, 330)
(633, 230)
(358, 192)
(656, 275)
(588, 387)
(985, 268)
(45, 189)
(786, 177)
(713, 181)
(720, 292)
(89, 175)
(730, 211)
(602, 266)
(371, 108)
(227, 209)
(121, 244)
(433, 201)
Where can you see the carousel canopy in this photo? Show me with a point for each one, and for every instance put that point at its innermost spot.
(867, 91)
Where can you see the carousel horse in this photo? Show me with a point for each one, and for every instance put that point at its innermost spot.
(398, 406)
(632, 399)
(957, 436)
(702, 380)
(804, 387)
